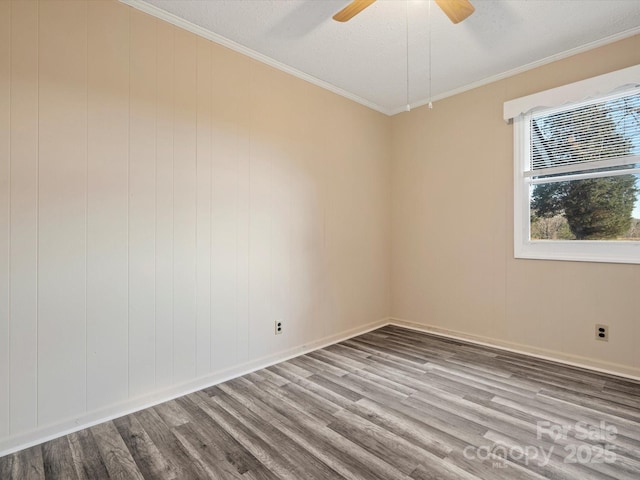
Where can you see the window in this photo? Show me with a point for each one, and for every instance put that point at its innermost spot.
(577, 172)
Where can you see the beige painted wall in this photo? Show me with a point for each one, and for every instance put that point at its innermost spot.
(163, 200)
(452, 231)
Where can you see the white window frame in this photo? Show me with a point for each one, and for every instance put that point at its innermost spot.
(516, 111)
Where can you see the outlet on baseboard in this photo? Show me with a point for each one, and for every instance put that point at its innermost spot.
(602, 332)
(278, 327)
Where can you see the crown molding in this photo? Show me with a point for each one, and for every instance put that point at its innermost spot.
(225, 42)
(219, 39)
(524, 68)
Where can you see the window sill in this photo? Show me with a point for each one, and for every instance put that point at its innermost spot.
(579, 251)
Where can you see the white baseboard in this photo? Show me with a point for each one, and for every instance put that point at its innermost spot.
(45, 433)
(609, 368)
(49, 432)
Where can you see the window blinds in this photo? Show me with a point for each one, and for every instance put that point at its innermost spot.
(586, 138)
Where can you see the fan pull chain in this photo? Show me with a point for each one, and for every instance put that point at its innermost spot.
(408, 108)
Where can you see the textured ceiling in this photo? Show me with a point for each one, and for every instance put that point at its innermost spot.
(366, 58)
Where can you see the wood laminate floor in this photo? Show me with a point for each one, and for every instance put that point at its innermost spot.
(389, 404)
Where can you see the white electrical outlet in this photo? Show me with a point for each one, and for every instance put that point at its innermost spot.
(278, 327)
(602, 332)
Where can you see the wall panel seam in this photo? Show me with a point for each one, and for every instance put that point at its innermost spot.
(173, 203)
(155, 209)
(10, 149)
(38, 210)
(211, 175)
(197, 310)
(86, 218)
(129, 208)
(249, 210)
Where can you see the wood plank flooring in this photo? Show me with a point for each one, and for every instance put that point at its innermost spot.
(389, 404)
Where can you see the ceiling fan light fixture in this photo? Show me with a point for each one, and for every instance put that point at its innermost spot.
(351, 10)
(456, 10)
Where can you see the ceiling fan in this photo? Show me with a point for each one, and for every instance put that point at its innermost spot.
(456, 10)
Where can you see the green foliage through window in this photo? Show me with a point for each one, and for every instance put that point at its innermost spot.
(571, 205)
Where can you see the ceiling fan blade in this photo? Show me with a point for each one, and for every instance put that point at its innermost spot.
(351, 10)
(456, 10)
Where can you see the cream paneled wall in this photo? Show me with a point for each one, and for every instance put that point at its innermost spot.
(453, 268)
(162, 201)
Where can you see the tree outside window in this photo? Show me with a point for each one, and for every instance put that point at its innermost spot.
(599, 208)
